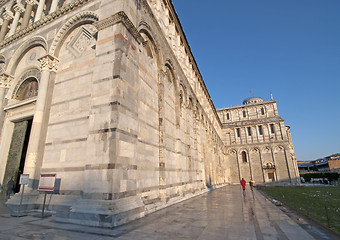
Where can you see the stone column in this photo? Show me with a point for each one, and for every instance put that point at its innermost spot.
(18, 8)
(28, 11)
(34, 157)
(39, 10)
(5, 83)
(7, 16)
(54, 6)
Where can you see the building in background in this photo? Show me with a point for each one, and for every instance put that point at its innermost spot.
(107, 95)
(258, 143)
(327, 164)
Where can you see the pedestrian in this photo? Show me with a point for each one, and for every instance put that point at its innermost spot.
(10, 186)
(251, 184)
(243, 183)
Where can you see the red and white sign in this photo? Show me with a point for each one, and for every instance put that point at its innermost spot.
(46, 182)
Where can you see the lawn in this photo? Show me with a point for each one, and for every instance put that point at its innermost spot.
(311, 201)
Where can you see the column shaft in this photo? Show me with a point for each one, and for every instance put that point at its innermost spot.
(27, 16)
(14, 24)
(3, 30)
(39, 10)
(54, 6)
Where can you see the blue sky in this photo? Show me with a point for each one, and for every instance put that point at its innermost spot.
(288, 47)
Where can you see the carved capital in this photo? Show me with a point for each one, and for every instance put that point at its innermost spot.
(7, 15)
(19, 8)
(49, 63)
(31, 2)
(5, 80)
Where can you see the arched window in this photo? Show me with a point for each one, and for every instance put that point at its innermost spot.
(244, 157)
(28, 89)
(262, 111)
(228, 117)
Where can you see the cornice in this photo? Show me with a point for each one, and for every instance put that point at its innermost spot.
(191, 58)
(116, 18)
(43, 21)
(246, 105)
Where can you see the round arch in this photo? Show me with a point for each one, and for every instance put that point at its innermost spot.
(23, 49)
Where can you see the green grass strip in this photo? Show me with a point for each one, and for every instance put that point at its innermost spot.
(311, 201)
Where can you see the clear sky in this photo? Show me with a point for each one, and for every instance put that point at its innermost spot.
(247, 48)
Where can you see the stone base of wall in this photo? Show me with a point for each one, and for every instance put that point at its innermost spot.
(91, 212)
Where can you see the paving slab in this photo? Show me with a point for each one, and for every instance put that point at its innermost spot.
(223, 213)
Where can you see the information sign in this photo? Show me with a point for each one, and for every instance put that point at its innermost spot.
(46, 182)
(23, 179)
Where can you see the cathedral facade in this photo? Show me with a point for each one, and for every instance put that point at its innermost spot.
(106, 95)
(258, 143)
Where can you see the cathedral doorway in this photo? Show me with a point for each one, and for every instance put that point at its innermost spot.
(271, 177)
(17, 154)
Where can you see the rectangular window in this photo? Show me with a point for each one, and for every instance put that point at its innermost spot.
(260, 130)
(238, 132)
(249, 131)
(228, 116)
(244, 113)
(272, 130)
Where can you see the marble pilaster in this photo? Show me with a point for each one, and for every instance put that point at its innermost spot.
(33, 162)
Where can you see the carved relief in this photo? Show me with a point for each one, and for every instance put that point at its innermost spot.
(5, 80)
(48, 63)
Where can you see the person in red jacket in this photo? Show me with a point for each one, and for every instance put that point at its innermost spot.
(243, 183)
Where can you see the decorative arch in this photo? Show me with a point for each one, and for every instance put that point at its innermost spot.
(28, 85)
(231, 151)
(146, 30)
(267, 149)
(69, 26)
(255, 149)
(23, 49)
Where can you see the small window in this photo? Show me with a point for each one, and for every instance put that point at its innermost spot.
(272, 130)
(244, 157)
(260, 130)
(244, 113)
(228, 117)
(238, 132)
(262, 111)
(249, 131)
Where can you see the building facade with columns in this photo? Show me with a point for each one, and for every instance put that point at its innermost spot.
(106, 94)
(258, 143)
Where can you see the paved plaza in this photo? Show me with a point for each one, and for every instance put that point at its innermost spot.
(224, 213)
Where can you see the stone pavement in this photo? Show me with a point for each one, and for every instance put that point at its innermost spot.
(224, 213)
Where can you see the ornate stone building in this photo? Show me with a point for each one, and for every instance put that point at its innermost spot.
(106, 95)
(258, 143)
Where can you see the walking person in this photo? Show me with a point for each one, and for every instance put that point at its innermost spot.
(243, 184)
(251, 184)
